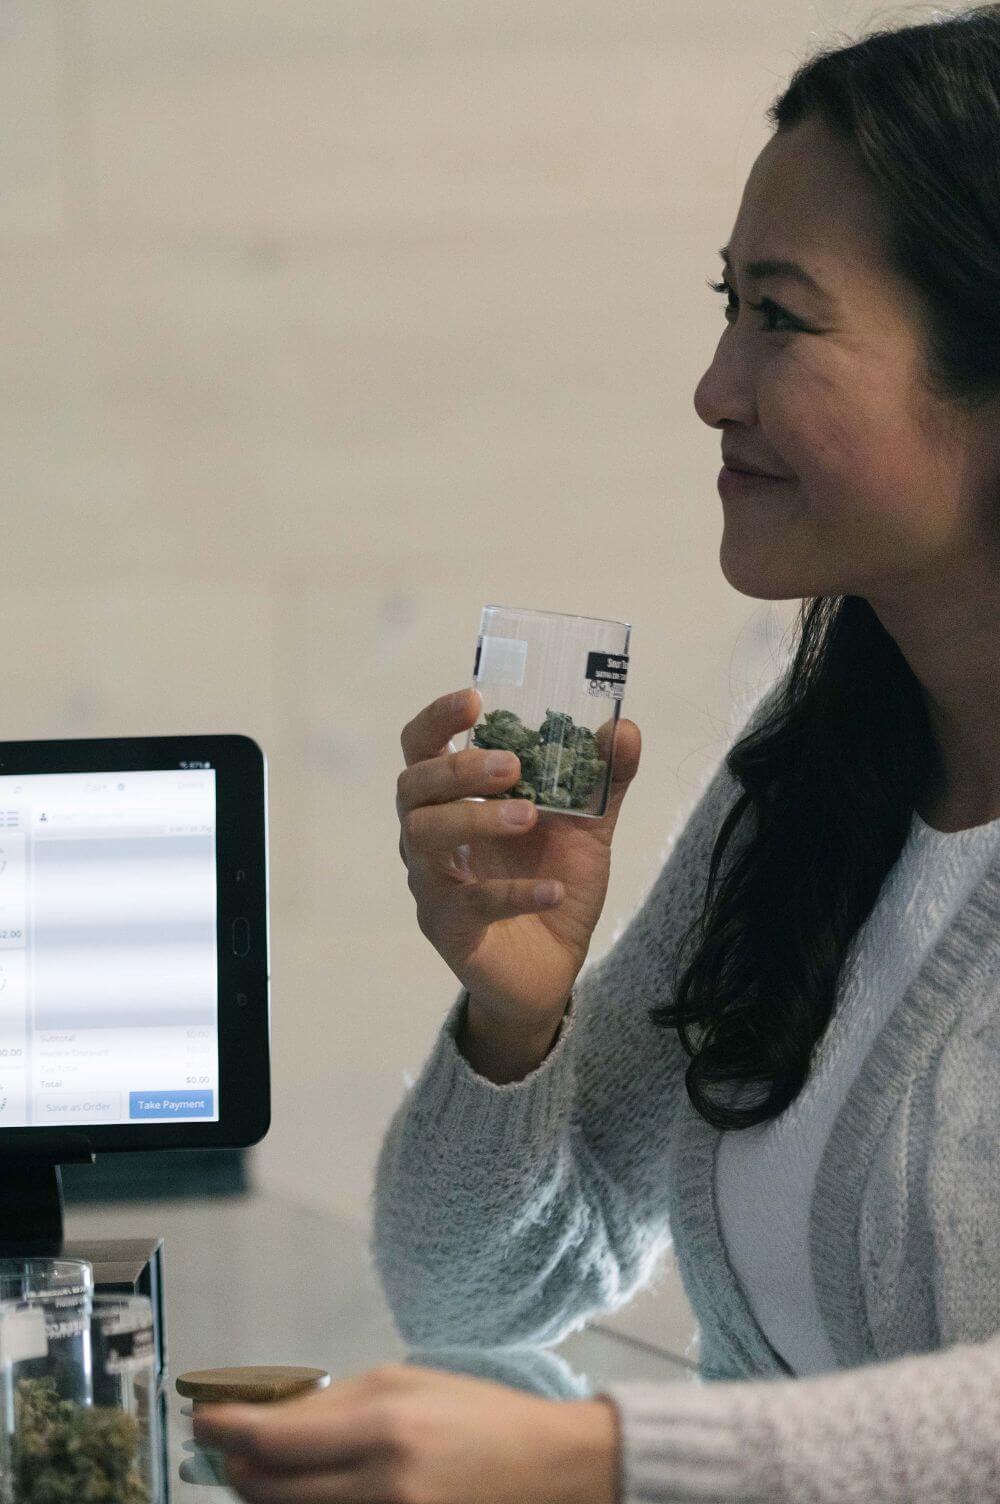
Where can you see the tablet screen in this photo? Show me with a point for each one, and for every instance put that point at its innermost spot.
(108, 948)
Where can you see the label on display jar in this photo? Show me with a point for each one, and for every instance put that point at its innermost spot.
(22, 1336)
(500, 660)
(128, 1352)
(65, 1326)
(606, 674)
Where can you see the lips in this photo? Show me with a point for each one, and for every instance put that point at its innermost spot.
(750, 469)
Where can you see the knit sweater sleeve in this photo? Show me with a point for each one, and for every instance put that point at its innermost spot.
(517, 1213)
(921, 1429)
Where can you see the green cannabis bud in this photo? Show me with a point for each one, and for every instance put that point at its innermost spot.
(502, 728)
(66, 1453)
(560, 766)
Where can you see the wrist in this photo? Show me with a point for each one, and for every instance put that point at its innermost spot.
(613, 1425)
(501, 1053)
(598, 1453)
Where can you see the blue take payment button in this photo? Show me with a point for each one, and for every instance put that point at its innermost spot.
(170, 1104)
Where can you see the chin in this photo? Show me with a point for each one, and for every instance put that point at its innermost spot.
(761, 582)
(751, 564)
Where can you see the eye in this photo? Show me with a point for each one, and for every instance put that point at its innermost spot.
(765, 306)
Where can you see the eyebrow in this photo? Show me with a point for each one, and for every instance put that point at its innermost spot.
(762, 269)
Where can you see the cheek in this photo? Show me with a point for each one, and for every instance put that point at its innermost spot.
(843, 430)
(862, 477)
(808, 426)
(871, 497)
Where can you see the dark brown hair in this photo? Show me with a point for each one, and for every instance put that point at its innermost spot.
(833, 772)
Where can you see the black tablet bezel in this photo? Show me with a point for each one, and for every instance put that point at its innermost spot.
(241, 892)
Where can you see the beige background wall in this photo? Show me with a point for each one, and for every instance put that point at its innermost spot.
(323, 324)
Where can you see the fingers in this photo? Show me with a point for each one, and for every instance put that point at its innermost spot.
(427, 735)
(348, 1486)
(295, 1435)
(434, 800)
(438, 780)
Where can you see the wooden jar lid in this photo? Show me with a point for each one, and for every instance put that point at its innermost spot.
(250, 1386)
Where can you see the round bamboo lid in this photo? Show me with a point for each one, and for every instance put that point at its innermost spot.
(253, 1385)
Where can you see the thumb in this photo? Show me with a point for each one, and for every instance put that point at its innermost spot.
(624, 766)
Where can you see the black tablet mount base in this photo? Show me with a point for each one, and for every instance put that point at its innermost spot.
(31, 1204)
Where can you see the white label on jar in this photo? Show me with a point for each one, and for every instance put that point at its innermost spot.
(501, 660)
(130, 1352)
(22, 1336)
(69, 1326)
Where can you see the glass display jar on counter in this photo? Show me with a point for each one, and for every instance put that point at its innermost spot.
(45, 1307)
(60, 1444)
(124, 1368)
(63, 1290)
(552, 687)
(22, 1343)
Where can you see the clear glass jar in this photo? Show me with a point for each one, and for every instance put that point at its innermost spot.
(22, 1342)
(45, 1307)
(124, 1365)
(552, 687)
(63, 1290)
(254, 1384)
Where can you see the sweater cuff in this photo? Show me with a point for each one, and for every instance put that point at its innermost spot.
(467, 1108)
(685, 1443)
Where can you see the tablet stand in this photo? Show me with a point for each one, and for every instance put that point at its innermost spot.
(31, 1204)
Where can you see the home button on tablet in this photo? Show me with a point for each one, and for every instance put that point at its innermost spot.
(241, 937)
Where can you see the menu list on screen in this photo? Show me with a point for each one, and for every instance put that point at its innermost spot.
(108, 950)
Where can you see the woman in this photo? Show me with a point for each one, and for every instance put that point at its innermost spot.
(839, 882)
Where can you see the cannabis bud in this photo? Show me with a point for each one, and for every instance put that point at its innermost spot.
(559, 762)
(66, 1453)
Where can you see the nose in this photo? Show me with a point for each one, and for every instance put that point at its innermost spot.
(725, 394)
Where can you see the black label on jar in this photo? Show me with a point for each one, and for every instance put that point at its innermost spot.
(606, 674)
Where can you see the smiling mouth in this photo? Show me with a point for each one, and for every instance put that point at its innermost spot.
(729, 474)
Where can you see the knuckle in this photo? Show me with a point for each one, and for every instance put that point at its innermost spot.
(412, 825)
(396, 1426)
(465, 760)
(404, 1487)
(396, 1482)
(492, 816)
(390, 1420)
(401, 784)
(476, 897)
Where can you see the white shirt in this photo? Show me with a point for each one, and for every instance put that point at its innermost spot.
(765, 1174)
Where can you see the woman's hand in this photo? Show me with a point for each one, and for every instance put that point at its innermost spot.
(405, 1435)
(473, 875)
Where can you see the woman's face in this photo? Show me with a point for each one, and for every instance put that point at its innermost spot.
(888, 493)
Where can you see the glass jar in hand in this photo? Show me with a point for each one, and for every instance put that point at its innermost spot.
(552, 686)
